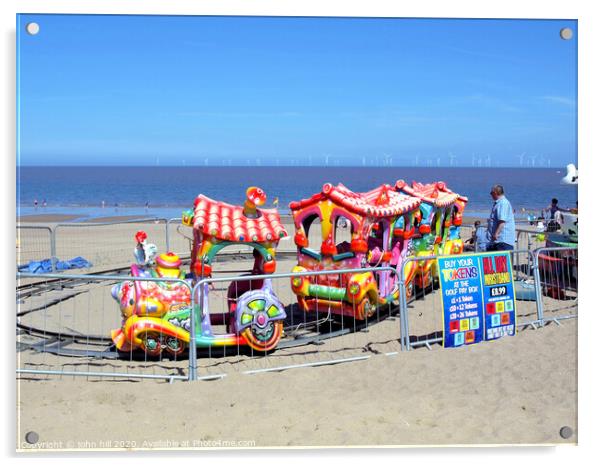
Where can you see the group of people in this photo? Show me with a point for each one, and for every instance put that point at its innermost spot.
(500, 232)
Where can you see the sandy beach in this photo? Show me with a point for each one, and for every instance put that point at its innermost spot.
(517, 390)
(520, 390)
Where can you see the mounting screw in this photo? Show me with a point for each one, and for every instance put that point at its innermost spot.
(566, 33)
(32, 28)
(32, 437)
(566, 432)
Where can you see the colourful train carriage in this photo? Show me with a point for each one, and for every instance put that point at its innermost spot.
(156, 315)
(438, 225)
(377, 227)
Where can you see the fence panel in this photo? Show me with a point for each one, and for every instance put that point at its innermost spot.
(107, 245)
(319, 334)
(556, 283)
(179, 237)
(34, 243)
(424, 303)
(64, 325)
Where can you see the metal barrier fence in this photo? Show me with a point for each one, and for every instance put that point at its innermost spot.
(556, 282)
(64, 328)
(35, 242)
(73, 315)
(308, 335)
(527, 238)
(110, 245)
(423, 306)
(178, 237)
(64, 323)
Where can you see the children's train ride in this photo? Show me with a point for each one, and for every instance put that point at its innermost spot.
(335, 229)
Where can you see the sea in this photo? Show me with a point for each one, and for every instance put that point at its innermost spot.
(91, 192)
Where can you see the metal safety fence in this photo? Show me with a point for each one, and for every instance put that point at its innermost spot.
(34, 243)
(178, 237)
(424, 301)
(105, 245)
(556, 282)
(323, 327)
(65, 323)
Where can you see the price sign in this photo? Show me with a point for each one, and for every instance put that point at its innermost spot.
(477, 297)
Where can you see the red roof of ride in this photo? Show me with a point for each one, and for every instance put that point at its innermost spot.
(228, 222)
(437, 193)
(383, 201)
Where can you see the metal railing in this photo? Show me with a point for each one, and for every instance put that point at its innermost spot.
(316, 328)
(423, 313)
(108, 248)
(64, 328)
(73, 314)
(176, 240)
(556, 283)
(34, 243)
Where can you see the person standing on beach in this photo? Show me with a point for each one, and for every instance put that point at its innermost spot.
(500, 226)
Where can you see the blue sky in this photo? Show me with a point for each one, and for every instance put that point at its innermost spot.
(148, 90)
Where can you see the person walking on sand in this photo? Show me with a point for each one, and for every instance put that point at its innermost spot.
(500, 226)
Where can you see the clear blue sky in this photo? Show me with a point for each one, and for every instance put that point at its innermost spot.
(147, 90)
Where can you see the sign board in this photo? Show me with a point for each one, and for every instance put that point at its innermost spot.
(477, 295)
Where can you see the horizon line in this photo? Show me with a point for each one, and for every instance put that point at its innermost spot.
(285, 166)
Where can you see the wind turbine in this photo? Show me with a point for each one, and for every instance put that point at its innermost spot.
(452, 157)
(474, 160)
(542, 160)
(488, 162)
(416, 161)
(521, 158)
(438, 161)
(532, 159)
(326, 159)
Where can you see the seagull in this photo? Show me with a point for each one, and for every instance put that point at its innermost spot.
(571, 175)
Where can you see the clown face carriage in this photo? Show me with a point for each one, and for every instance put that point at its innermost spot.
(156, 314)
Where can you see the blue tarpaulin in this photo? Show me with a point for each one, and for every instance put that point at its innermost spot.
(45, 266)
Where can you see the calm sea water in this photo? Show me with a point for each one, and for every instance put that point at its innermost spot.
(169, 190)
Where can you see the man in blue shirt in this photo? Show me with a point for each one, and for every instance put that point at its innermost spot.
(500, 226)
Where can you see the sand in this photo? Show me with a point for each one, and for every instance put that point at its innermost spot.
(517, 390)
